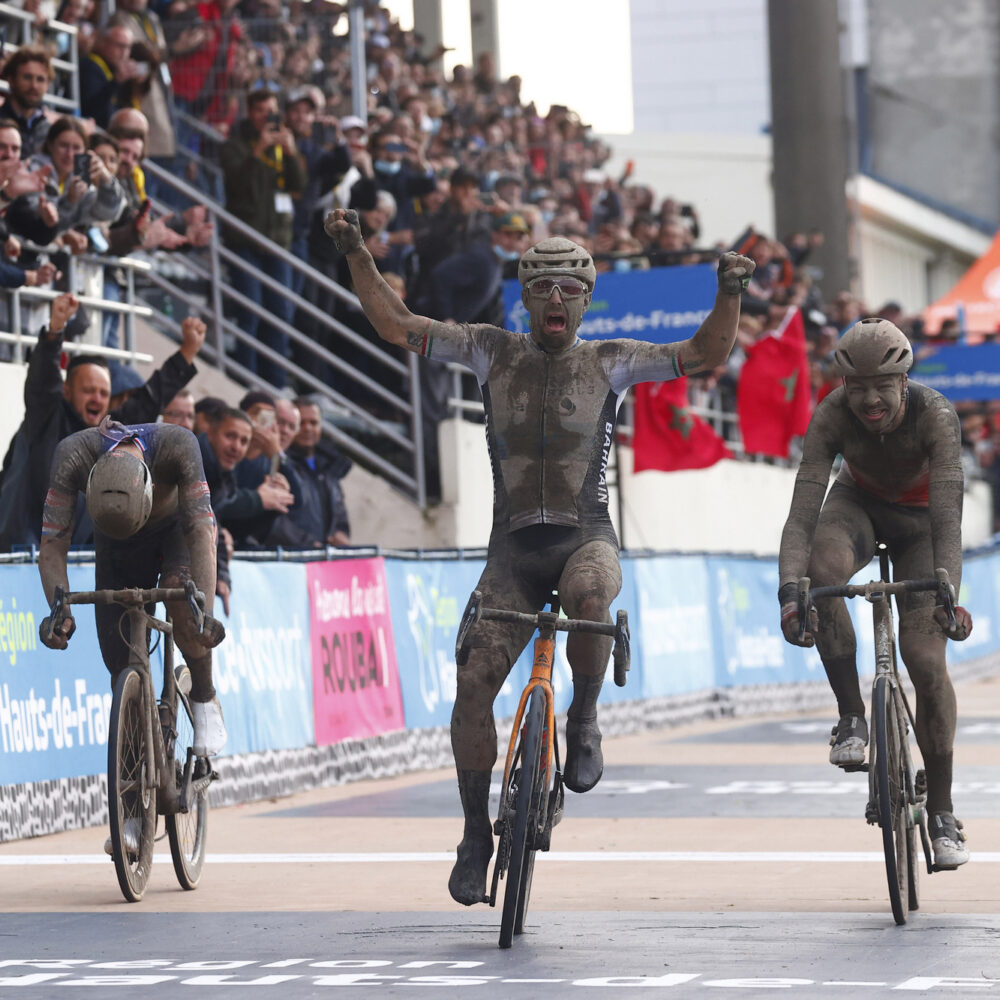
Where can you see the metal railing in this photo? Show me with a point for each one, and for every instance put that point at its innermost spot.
(376, 425)
(130, 309)
(27, 29)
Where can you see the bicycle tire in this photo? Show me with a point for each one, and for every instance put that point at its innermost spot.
(910, 807)
(890, 790)
(522, 853)
(131, 792)
(187, 832)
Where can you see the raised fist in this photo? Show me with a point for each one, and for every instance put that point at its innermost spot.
(342, 226)
(734, 273)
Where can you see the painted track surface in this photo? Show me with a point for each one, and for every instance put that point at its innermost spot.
(718, 854)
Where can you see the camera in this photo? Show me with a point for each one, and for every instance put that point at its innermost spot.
(274, 120)
(81, 165)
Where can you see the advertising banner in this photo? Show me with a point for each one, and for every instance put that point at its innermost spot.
(427, 600)
(677, 648)
(960, 372)
(661, 305)
(54, 704)
(979, 593)
(750, 648)
(262, 668)
(356, 690)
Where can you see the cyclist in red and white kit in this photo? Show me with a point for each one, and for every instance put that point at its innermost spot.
(551, 401)
(901, 484)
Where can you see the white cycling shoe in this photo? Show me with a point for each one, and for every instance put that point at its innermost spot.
(133, 832)
(848, 740)
(948, 841)
(209, 727)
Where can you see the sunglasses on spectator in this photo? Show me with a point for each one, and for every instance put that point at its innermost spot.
(569, 288)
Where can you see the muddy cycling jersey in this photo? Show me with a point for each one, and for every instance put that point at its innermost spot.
(550, 417)
(916, 466)
(171, 453)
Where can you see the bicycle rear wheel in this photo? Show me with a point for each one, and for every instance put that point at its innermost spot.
(890, 790)
(131, 792)
(525, 806)
(187, 832)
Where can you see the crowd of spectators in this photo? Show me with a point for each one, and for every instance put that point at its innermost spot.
(453, 176)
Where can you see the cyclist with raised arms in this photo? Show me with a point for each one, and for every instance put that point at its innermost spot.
(900, 483)
(154, 525)
(551, 401)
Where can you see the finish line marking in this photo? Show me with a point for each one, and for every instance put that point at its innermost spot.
(590, 857)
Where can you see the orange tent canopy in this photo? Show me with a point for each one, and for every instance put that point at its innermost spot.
(978, 292)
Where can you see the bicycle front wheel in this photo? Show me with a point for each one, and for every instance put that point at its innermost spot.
(131, 792)
(890, 792)
(187, 832)
(524, 822)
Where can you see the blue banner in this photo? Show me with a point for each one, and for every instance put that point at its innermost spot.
(661, 305)
(979, 593)
(54, 704)
(262, 670)
(960, 372)
(427, 599)
(676, 646)
(750, 648)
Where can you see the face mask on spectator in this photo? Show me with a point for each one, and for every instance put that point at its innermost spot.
(506, 254)
(547, 216)
(389, 167)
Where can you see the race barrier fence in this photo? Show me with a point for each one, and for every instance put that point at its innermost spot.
(343, 669)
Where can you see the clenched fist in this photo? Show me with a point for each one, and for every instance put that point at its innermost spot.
(342, 226)
(734, 273)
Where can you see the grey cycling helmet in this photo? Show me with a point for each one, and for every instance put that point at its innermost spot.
(873, 346)
(119, 494)
(557, 257)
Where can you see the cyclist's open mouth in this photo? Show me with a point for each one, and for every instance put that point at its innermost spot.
(555, 322)
(875, 415)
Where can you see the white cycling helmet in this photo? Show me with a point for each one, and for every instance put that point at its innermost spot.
(119, 494)
(873, 346)
(557, 257)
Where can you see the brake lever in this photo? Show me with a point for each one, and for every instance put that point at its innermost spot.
(803, 602)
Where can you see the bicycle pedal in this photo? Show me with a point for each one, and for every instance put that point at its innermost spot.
(853, 767)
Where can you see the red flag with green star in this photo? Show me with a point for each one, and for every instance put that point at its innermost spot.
(667, 435)
(774, 403)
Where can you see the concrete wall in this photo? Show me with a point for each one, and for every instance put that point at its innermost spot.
(731, 507)
(934, 91)
(700, 67)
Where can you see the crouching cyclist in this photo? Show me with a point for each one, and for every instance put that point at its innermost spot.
(901, 484)
(146, 494)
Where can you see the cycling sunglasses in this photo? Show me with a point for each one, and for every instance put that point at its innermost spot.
(569, 288)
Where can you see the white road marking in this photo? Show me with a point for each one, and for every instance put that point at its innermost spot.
(738, 857)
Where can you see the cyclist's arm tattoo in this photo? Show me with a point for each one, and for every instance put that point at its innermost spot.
(384, 308)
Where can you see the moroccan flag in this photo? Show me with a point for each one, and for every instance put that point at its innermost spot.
(668, 436)
(773, 393)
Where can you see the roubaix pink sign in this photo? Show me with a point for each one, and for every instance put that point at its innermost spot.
(355, 677)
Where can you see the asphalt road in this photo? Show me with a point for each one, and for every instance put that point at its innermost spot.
(712, 856)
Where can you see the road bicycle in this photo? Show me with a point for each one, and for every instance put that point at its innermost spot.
(152, 767)
(532, 794)
(897, 792)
